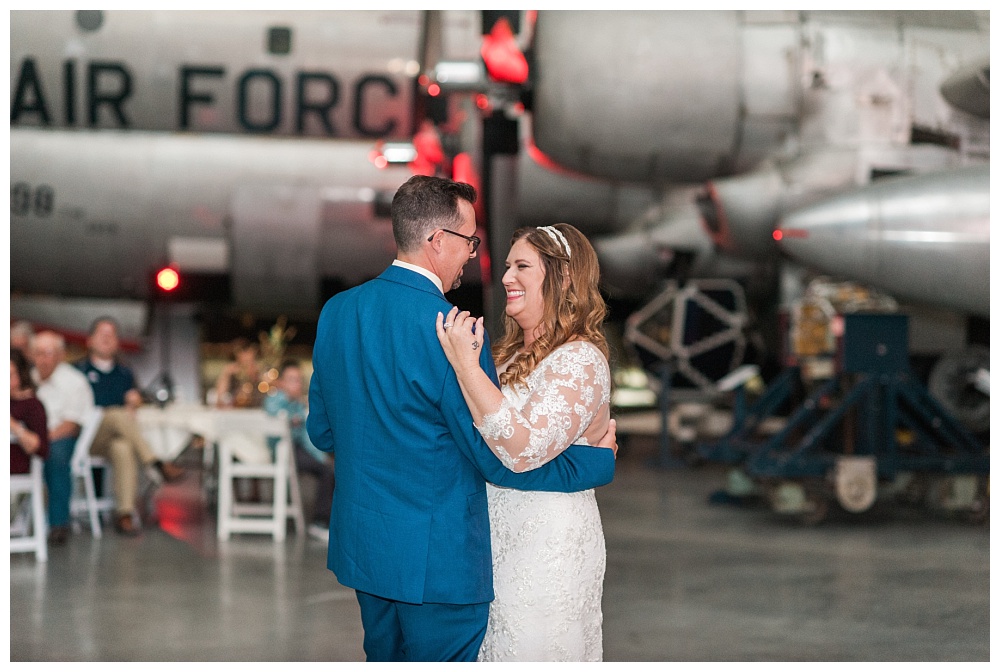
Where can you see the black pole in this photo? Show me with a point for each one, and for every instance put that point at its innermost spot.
(165, 385)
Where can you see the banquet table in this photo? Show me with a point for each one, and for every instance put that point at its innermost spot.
(171, 429)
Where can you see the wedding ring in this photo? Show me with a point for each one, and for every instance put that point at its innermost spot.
(447, 325)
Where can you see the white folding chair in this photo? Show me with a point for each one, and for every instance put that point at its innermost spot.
(84, 500)
(234, 426)
(32, 484)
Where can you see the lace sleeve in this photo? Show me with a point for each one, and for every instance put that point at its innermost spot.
(564, 395)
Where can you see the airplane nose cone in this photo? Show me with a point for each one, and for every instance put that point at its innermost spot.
(923, 238)
(830, 236)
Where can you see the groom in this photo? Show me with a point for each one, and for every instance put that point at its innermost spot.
(409, 529)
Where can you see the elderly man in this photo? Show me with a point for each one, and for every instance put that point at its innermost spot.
(119, 438)
(67, 398)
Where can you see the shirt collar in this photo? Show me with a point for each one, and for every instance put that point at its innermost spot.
(422, 271)
(103, 365)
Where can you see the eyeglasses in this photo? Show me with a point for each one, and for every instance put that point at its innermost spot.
(475, 240)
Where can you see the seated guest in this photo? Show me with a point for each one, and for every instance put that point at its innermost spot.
(289, 398)
(68, 400)
(238, 385)
(29, 435)
(119, 438)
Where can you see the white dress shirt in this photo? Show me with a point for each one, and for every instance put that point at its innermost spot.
(66, 395)
(422, 271)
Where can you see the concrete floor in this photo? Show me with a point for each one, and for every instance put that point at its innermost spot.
(687, 580)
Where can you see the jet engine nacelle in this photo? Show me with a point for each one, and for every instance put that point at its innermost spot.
(686, 96)
(655, 96)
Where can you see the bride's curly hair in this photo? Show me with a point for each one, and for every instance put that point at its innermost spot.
(573, 312)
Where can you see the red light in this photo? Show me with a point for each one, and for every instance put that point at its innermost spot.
(423, 80)
(433, 90)
(482, 101)
(168, 279)
(502, 56)
(777, 235)
(464, 170)
(380, 161)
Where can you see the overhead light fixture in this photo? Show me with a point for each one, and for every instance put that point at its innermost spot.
(399, 152)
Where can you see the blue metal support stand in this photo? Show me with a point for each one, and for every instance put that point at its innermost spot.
(738, 443)
(873, 407)
(664, 459)
(883, 404)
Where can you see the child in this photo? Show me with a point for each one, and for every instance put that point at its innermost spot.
(289, 398)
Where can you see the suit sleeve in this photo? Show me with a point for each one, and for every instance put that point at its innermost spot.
(317, 421)
(577, 468)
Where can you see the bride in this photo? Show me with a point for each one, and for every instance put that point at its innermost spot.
(548, 547)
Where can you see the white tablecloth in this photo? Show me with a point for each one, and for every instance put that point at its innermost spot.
(169, 430)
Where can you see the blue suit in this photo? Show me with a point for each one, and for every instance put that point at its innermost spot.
(409, 520)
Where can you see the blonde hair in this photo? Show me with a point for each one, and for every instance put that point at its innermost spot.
(573, 312)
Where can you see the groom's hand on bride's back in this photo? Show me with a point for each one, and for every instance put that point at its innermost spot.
(610, 439)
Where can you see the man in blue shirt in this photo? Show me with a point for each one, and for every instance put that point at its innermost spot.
(119, 438)
(289, 399)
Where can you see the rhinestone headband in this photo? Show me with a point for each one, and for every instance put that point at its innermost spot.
(557, 235)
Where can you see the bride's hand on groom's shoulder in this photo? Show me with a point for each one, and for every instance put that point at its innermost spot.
(461, 337)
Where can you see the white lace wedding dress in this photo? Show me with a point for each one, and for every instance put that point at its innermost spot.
(548, 547)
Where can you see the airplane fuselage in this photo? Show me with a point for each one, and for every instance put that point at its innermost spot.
(235, 146)
(235, 143)
(329, 74)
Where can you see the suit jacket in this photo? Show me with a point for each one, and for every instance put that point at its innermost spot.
(409, 520)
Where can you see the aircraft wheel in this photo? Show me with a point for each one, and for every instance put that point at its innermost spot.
(953, 383)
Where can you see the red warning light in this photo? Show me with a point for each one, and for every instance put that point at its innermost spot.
(777, 235)
(502, 55)
(168, 279)
(433, 90)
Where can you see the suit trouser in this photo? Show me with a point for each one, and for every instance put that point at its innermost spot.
(428, 632)
(120, 440)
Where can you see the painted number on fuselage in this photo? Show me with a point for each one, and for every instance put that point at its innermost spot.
(25, 199)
